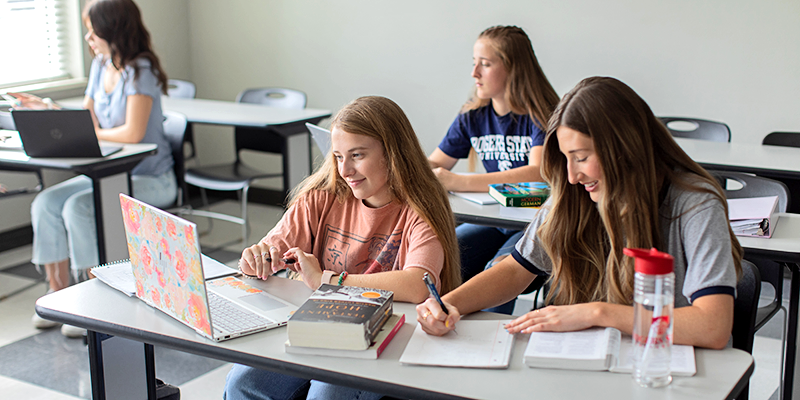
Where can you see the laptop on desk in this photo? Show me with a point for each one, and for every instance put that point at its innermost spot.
(167, 267)
(59, 134)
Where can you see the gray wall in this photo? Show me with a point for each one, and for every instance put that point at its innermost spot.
(727, 60)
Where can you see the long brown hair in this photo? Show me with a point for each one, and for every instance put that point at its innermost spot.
(119, 23)
(411, 180)
(527, 89)
(637, 153)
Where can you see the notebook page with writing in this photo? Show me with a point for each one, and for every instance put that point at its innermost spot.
(478, 344)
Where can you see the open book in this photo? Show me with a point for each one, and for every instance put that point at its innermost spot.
(476, 344)
(596, 349)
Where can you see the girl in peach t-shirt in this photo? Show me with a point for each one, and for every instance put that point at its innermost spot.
(373, 215)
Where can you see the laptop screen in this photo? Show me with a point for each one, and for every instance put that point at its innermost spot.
(165, 256)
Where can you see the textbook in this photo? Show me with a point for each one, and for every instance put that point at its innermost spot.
(596, 349)
(340, 317)
(523, 194)
(119, 274)
(476, 344)
(386, 334)
(753, 216)
(476, 197)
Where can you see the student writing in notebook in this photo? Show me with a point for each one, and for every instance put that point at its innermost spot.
(373, 215)
(503, 125)
(124, 96)
(618, 180)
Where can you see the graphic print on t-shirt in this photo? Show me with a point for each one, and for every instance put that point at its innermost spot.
(381, 251)
(505, 150)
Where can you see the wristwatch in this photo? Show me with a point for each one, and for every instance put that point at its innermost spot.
(326, 276)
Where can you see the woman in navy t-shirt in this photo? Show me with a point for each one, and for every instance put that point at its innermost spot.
(503, 126)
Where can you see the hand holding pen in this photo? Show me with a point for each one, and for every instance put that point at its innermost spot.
(434, 315)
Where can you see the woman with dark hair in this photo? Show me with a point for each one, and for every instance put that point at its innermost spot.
(373, 215)
(618, 180)
(503, 126)
(124, 97)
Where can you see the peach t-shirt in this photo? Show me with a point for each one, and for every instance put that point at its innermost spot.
(355, 238)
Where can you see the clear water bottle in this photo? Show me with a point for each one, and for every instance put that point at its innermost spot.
(653, 301)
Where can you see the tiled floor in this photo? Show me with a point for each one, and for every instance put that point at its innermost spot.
(45, 365)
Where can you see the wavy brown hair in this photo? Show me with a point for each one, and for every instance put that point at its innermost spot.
(411, 181)
(637, 153)
(119, 23)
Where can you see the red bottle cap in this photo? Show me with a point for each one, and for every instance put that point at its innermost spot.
(650, 262)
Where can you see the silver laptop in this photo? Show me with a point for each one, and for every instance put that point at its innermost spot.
(59, 134)
(167, 266)
(321, 136)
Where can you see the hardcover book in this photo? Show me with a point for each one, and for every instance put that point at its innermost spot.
(374, 351)
(340, 317)
(523, 194)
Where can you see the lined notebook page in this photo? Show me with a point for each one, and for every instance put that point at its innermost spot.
(478, 344)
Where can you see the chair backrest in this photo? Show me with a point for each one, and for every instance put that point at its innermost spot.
(748, 290)
(274, 97)
(181, 89)
(753, 186)
(175, 131)
(789, 139)
(694, 128)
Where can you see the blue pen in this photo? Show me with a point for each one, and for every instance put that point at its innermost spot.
(432, 288)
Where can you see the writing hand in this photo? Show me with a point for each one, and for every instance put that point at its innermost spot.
(433, 319)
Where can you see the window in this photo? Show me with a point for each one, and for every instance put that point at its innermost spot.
(41, 41)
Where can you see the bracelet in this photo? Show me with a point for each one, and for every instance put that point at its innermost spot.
(245, 275)
(342, 277)
(326, 277)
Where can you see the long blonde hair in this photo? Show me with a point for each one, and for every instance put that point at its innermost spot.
(585, 240)
(411, 181)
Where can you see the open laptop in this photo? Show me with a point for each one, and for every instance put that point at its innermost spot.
(321, 136)
(167, 266)
(59, 133)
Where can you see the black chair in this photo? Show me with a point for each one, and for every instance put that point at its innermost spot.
(239, 176)
(748, 291)
(695, 128)
(789, 139)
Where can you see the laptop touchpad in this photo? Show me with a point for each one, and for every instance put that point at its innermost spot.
(261, 302)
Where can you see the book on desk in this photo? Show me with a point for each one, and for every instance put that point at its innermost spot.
(382, 340)
(522, 194)
(753, 216)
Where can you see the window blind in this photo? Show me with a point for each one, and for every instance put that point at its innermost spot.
(36, 41)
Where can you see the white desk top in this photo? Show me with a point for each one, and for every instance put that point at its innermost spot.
(219, 112)
(19, 157)
(94, 305)
(744, 157)
(491, 214)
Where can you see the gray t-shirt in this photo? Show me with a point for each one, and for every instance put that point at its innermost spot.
(695, 228)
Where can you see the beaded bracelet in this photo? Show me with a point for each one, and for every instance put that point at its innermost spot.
(246, 275)
(342, 277)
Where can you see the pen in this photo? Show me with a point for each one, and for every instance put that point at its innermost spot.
(431, 288)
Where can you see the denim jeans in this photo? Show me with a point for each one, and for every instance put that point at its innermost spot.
(247, 383)
(479, 246)
(63, 220)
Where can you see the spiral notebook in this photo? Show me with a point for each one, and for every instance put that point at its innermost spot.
(478, 344)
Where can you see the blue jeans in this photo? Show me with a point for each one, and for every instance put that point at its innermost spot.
(479, 246)
(63, 221)
(247, 383)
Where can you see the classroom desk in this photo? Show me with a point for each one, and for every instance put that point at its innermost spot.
(110, 176)
(289, 125)
(93, 305)
(495, 215)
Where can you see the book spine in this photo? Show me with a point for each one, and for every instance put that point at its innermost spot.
(391, 334)
(532, 201)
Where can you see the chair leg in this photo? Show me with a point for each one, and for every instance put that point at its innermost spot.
(204, 197)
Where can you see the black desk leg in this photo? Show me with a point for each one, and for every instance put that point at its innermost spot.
(121, 368)
(791, 334)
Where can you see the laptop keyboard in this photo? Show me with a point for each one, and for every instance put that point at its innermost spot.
(229, 317)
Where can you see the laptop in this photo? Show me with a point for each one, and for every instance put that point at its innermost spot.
(167, 266)
(321, 136)
(60, 134)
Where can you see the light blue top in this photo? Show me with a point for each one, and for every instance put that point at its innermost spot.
(110, 109)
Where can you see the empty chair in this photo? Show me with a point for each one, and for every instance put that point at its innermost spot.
(239, 176)
(175, 130)
(181, 89)
(748, 290)
(694, 128)
(789, 139)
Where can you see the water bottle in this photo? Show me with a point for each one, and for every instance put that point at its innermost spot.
(653, 300)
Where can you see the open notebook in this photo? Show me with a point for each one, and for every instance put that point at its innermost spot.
(477, 344)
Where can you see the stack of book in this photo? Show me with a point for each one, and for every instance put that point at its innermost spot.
(522, 194)
(344, 321)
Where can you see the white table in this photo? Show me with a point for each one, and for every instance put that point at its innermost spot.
(110, 176)
(288, 126)
(93, 305)
(491, 214)
(769, 161)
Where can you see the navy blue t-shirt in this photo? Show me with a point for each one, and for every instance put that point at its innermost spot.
(502, 143)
